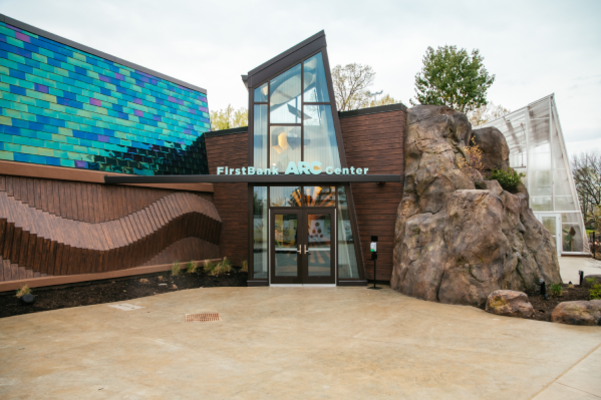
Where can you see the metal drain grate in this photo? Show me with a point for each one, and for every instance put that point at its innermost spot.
(206, 317)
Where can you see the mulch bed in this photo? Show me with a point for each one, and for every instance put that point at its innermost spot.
(543, 308)
(112, 290)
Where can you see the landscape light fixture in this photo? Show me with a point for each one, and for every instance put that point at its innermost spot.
(543, 289)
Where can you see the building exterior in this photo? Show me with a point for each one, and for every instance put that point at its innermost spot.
(537, 149)
(109, 169)
(69, 115)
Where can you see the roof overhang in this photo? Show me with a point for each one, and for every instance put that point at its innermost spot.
(262, 179)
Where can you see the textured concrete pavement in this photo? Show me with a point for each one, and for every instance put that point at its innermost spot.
(294, 343)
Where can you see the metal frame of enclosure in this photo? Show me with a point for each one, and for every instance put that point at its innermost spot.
(537, 149)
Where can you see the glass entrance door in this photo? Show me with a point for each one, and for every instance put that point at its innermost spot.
(302, 246)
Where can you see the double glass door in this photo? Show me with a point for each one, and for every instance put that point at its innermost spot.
(302, 246)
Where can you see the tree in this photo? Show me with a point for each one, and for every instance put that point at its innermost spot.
(388, 99)
(486, 113)
(350, 85)
(452, 78)
(228, 118)
(586, 170)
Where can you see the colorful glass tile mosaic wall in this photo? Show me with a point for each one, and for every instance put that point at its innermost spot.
(65, 107)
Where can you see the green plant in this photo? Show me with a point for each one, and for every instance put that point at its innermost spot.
(175, 269)
(591, 280)
(244, 266)
(508, 179)
(223, 267)
(23, 291)
(192, 267)
(556, 289)
(208, 267)
(595, 292)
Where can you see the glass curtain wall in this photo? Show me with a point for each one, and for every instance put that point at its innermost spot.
(294, 121)
(537, 149)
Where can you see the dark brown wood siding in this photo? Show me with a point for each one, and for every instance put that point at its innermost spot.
(376, 141)
(56, 227)
(231, 199)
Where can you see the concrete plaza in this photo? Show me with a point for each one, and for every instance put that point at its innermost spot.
(294, 343)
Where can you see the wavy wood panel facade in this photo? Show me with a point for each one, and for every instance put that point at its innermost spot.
(231, 199)
(51, 227)
(376, 141)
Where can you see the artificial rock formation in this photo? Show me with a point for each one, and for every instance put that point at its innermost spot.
(509, 303)
(578, 313)
(458, 236)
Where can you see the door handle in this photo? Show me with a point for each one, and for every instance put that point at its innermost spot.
(306, 252)
(300, 249)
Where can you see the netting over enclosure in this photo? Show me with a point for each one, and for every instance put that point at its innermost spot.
(537, 149)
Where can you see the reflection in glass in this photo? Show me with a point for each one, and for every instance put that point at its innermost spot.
(320, 137)
(260, 254)
(347, 260)
(319, 238)
(572, 235)
(285, 97)
(286, 244)
(260, 136)
(315, 86)
(285, 196)
(285, 146)
(550, 223)
(320, 196)
(261, 94)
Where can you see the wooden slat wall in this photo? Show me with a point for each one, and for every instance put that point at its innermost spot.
(376, 141)
(231, 200)
(51, 227)
(83, 201)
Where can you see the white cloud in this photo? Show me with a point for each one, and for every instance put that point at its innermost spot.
(534, 48)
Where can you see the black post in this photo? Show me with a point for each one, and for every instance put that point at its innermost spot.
(543, 289)
(594, 255)
(375, 270)
(581, 274)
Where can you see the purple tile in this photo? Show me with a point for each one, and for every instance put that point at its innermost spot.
(104, 78)
(119, 76)
(96, 102)
(41, 88)
(81, 164)
(138, 101)
(171, 99)
(139, 113)
(13, 28)
(102, 138)
(22, 37)
(201, 108)
(156, 118)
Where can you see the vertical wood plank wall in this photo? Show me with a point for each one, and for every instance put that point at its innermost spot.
(376, 141)
(54, 227)
(231, 199)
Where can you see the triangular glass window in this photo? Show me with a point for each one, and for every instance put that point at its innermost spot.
(315, 87)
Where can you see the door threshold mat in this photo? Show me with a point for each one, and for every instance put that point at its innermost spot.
(205, 317)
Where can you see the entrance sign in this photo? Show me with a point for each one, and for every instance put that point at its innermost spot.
(300, 168)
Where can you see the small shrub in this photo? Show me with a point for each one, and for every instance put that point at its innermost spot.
(192, 267)
(23, 291)
(556, 289)
(175, 269)
(208, 267)
(595, 292)
(244, 266)
(223, 267)
(591, 280)
(508, 179)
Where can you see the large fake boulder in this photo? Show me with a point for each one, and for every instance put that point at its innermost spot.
(509, 303)
(594, 279)
(578, 313)
(459, 236)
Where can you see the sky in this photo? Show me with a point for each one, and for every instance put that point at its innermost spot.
(534, 48)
